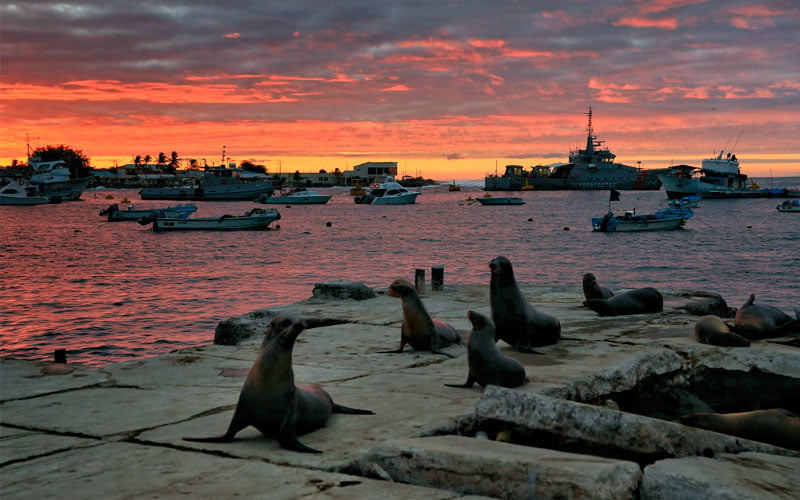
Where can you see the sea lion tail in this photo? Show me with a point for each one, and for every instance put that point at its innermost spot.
(350, 411)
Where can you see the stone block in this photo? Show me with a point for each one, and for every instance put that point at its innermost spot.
(343, 290)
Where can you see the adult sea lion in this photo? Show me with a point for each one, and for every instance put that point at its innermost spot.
(487, 365)
(638, 301)
(270, 401)
(761, 321)
(775, 426)
(592, 290)
(713, 330)
(515, 319)
(419, 330)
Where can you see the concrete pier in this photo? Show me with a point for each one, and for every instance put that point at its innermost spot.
(116, 432)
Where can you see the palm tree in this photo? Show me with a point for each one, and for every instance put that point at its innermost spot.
(147, 166)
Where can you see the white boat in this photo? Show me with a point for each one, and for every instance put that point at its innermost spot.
(257, 218)
(502, 200)
(296, 196)
(131, 213)
(670, 218)
(789, 206)
(691, 201)
(52, 178)
(388, 192)
(21, 193)
(217, 183)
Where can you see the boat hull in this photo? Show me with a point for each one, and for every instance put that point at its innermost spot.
(619, 177)
(663, 220)
(176, 212)
(501, 201)
(297, 200)
(24, 201)
(224, 223)
(406, 199)
(63, 190)
(249, 191)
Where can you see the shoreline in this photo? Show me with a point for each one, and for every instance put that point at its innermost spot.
(116, 430)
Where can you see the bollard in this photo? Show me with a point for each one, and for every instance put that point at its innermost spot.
(419, 281)
(437, 278)
(61, 356)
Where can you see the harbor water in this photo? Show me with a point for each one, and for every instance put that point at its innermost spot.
(109, 292)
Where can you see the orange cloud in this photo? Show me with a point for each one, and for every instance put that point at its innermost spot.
(642, 22)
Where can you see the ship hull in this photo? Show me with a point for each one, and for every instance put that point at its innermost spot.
(581, 180)
(677, 188)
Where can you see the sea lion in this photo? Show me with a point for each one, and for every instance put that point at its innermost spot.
(775, 426)
(269, 400)
(761, 321)
(712, 330)
(638, 301)
(592, 290)
(516, 321)
(487, 365)
(419, 330)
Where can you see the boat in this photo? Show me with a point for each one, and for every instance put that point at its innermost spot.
(789, 206)
(131, 213)
(503, 200)
(691, 201)
(670, 218)
(591, 168)
(217, 183)
(52, 179)
(358, 189)
(296, 196)
(21, 193)
(718, 177)
(388, 192)
(454, 187)
(257, 218)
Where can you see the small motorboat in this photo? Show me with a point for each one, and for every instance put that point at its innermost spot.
(257, 218)
(22, 193)
(789, 206)
(691, 201)
(388, 192)
(296, 196)
(501, 200)
(670, 218)
(454, 186)
(131, 213)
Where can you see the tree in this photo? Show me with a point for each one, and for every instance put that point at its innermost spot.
(251, 167)
(76, 161)
(174, 163)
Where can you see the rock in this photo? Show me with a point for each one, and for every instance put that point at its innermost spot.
(624, 434)
(343, 290)
(705, 303)
(500, 470)
(746, 475)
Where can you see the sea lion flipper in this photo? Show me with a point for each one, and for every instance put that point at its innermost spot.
(437, 351)
(469, 383)
(291, 443)
(350, 411)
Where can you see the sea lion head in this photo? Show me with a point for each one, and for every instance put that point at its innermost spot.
(283, 330)
(501, 268)
(398, 288)
(480, 321)
(589, 279)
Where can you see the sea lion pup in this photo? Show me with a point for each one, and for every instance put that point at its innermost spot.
(418, 329)
(487, 365)
(761, 321)
(592, 290)
(516, 321)
(638, 301)
(775, 426)
(712, 330)
(270, 401)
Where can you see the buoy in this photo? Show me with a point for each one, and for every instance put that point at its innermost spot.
(566, 229)
(60, 356)
(530, 219)
(109, 197)
(328, 224)
(125, 200)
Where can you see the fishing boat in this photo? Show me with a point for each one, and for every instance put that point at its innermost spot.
(454, 187)
(131, 213)
(691, 201)
(590, 168)
(502, 200)
(52, 180)
(257, 218)
(216, 184)
(296, 196)
(21, 193)
(388, 192)
(673, 217)
(789, 206)
(357, 189)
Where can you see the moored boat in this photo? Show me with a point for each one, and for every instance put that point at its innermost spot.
(454, 186)
(591, 168)
(388, 192)
(257, 218)
(789, 206)
(21, 193)
(501, 200)
(296, 196)
(671, 218)
(131, 213)
(52, 180)
(217, 183)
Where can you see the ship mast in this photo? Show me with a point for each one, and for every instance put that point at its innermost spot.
(590, 134)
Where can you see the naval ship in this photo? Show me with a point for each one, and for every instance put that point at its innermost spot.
(592, 168)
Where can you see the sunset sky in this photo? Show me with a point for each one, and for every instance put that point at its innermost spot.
(448, 89)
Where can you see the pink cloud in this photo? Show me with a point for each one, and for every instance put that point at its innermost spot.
(232, 35)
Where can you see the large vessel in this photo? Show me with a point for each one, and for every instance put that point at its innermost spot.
(217, 183)
(719, 177)
(591, 168)
(52, 179)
